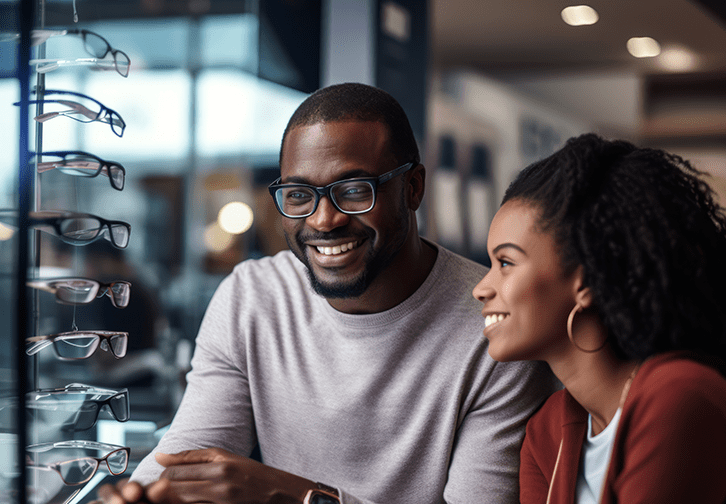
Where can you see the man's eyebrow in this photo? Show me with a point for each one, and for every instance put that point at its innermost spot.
(508, 245)
(357, 173)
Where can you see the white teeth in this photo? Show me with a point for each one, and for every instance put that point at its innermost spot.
(493, 319)
(338, 249)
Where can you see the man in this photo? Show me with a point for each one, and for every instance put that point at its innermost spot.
(356, 360)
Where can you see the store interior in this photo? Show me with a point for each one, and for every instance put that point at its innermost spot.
(195, 95)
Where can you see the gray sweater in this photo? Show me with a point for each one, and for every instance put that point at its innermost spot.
(403, 406)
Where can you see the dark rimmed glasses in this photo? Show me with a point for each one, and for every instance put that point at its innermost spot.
(93, 43)
(77, 228)
(76, 345)
(79, 111)
(77, 291)
(350, 196)
(72, 462)
(77, 406)
(83, 164)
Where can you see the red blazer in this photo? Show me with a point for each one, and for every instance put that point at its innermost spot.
(670, 446)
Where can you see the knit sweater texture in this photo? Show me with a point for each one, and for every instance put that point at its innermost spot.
(402, 406)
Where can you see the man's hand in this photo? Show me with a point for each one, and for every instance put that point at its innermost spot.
(124, 492)
(217, 476)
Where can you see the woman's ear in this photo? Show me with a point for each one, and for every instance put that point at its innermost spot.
(583, 294)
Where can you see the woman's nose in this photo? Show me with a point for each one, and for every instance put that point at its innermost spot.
(483, 291)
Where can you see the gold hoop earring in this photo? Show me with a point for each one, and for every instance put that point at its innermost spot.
(571, 336)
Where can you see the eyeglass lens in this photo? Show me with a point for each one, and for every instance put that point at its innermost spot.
(99, 48)
(349, 196)
(76, 291)
(119, 292)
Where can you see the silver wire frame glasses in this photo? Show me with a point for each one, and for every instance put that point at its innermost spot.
(76, 345)
(77, 290)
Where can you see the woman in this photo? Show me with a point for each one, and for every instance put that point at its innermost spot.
(609, 263)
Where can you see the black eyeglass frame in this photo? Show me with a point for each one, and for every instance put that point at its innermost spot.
(122, 413)
(106, 118)
(319, 192)
(83, 33)
(106, 224)
(102, 163)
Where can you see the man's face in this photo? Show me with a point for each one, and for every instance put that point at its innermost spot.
(344, 253)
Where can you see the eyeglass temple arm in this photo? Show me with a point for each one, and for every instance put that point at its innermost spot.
(75, 108)
(38, 344)
(76, 165)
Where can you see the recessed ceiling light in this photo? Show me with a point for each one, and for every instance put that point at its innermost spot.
(643, 47)
(579, 15)
(678, 59)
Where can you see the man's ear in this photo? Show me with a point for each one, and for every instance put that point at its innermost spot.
(416, 187)
(583, 294)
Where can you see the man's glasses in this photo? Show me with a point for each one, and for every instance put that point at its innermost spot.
(351, 196)
(76, 345)
(93, 43)
(90, 110)
(77, 291)
(77, 228)
(83, 164)
(77, 406)
(73, 462)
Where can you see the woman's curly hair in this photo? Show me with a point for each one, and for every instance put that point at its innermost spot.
(649, 234)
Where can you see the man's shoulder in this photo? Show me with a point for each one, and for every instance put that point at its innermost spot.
(457, 265)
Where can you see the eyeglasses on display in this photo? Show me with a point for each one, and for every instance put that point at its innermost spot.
(351, 196)
(77, 291)
(72, 462)
(93, 43)
(77, 406)
(83, 164)
(76, 345)
(91, 110)
(77, 228)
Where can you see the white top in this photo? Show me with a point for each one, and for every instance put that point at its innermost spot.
(595, 461)
(402, 406)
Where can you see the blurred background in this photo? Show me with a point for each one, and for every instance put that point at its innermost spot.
(488, 86)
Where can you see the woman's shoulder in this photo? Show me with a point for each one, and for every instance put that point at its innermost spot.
(676, 382)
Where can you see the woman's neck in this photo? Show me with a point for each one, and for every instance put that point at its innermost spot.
(596, 381)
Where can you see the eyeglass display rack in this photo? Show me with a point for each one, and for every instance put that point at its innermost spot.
(53, 487)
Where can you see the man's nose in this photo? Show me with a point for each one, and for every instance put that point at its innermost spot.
(327, 217)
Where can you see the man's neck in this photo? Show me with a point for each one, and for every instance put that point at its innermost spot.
(395, 284)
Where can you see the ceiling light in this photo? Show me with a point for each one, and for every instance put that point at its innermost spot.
(643, 47)
(216, 239)
(235, 217)
(5, 232)
(579, 15)
(678, 59)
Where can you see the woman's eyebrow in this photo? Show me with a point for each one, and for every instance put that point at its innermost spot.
(508, 245)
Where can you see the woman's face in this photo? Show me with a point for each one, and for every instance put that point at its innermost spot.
(527, 296)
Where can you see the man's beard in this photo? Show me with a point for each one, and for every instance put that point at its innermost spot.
(375, 260)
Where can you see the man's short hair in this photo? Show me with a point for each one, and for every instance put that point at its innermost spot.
(358, 102)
